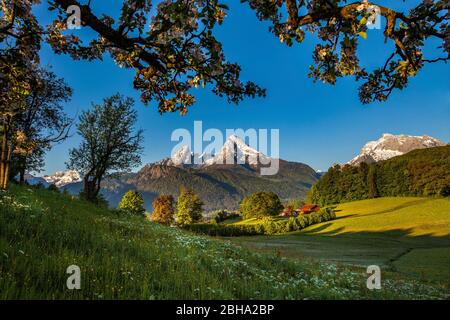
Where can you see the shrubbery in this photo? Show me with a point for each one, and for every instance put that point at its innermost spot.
(53, 188)
(260, 204)
(99, 200)
(267, 226)
(222, 215)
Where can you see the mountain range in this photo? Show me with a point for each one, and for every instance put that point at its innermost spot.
(222, 186)
(219, 185)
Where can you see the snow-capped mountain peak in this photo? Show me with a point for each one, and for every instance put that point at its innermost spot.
(390, 145)
(236, 150)
(63, 178)
(181, 156)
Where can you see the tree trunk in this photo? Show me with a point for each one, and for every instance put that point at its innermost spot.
(22, 176)
(89, 190)
(5, 154)
(7, 167)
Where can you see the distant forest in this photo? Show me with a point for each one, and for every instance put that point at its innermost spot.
(424, 172)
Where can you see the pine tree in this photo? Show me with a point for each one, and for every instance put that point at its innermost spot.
(372, 182)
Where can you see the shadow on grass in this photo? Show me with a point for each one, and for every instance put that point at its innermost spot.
(384, 248)
(392, 238)
(392, 209)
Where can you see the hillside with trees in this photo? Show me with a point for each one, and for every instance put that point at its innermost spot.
(220, 186)
(417, 173)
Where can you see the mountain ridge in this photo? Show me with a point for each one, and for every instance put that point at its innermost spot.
(390, 145)
(219, 185)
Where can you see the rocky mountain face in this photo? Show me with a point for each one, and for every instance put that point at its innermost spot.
(390, 145)
(219, 186)
(235, 150)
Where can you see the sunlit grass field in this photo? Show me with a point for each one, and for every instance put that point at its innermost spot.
(123, 257)
(415, 216)
(407, 235)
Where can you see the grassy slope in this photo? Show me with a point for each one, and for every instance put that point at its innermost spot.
(405, 234)
(413, 216)
(42, 233)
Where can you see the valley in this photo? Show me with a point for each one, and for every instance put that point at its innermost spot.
(127, 257)
(407, 235)
(270, 249)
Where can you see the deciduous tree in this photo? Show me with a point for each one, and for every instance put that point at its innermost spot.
(19, 47)
(110, 142)
(340, 25)
(189, 207)
(43, 121)
(132, 202)
(171, 51)
(163, 209)
(260, 204)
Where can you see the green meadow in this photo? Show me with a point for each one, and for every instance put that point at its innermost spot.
(405, 235)
(128, 257)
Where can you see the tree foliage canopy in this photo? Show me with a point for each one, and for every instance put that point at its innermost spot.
(172, 51)
(341, 24)
(132, 202)
(110, 142)
(163, 209)
(189, 207)
(172, 46)
(422, 172)
(20, 41)
(43, 122)
(260, 204)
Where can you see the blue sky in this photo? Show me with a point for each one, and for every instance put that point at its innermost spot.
(319, 124)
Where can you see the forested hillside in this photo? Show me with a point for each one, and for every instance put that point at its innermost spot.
(418, 173)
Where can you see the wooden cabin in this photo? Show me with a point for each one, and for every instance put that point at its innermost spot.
(309, 208)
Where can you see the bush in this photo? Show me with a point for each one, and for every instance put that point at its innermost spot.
(163, 209)
(39, 186)
(189, 207)
(295, 203)
(267, 226)
(98, 201)
(119, 212)
(260, 204)
(53, 188)
(222, 215)
(133, 203)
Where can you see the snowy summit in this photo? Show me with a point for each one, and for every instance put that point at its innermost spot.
(390, 145)
(63, 178)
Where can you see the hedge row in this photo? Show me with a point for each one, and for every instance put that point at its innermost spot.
(266, 227)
